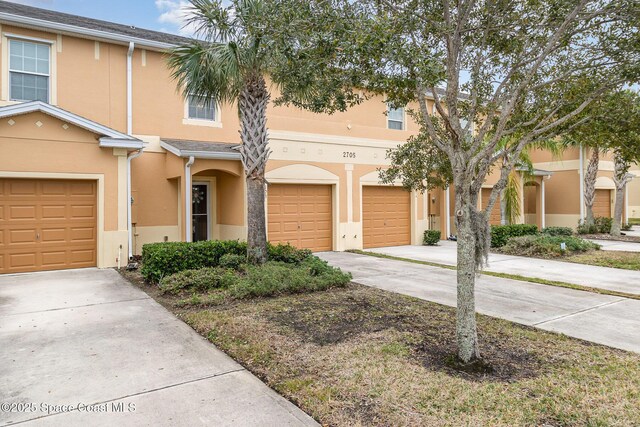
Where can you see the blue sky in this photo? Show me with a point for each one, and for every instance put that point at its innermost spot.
(160, 15)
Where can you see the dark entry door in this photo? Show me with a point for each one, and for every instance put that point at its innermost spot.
(200, 212)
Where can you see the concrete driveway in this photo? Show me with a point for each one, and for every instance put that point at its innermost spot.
(613, 279)
(74, 339)
(602, 319)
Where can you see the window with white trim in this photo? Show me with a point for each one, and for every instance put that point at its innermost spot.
(29, 71)
(395, 118)
(200, 108)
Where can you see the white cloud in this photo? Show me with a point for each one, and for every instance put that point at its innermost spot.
(175, 13)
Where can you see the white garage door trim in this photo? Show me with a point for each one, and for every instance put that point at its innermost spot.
(99, 178)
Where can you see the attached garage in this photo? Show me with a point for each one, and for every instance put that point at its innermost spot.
(602, 203)
(494, 217)
(300, 214)
(47, 225)
(386, 216)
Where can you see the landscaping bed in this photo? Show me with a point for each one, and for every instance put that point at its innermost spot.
(362, 356)
(212, 272)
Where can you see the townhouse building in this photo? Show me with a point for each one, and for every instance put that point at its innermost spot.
(100, 153)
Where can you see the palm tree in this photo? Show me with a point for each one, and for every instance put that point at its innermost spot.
(228, 66)
(240, 46)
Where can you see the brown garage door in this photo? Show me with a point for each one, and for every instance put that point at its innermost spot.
(47, 225)
(602, 204)
(386, 216)
(300, 215)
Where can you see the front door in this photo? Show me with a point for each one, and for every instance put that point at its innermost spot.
(200, 212)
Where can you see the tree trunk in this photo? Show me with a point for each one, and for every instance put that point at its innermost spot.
(252, 103)
(590, 185)
(466, 328)
(257, 235)
(616, 224)
(620, 178)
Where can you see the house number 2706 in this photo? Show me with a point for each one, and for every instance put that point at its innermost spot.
(349, 154)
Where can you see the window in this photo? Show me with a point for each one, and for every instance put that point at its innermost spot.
(29, 71)
(395, 118)
(200, 109)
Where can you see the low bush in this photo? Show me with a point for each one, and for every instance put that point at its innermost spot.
(601, 225)
(547, 246)
(276, 278)
(271, 278)
(558, 231)
(431, 237)
(288, 254)
(163, 259)
(200, 280)
(626, 227)
(500, 234)
(232, 261)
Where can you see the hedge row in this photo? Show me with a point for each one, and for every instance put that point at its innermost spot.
(500, 234)
(163, 259)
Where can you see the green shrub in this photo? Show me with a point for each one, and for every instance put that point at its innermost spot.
(626, 227)
(558, 231)
(601, 225)
(276, 278)
(547, 246)
(200, 280)
(163, 259)
(288, 254)
(232, 261)
(500, 234)
(431, 237)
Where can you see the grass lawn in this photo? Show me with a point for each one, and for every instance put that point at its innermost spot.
(362, 356)
(615, 259)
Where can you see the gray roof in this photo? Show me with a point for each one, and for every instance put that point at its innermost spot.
(201, 149)
(89, 23)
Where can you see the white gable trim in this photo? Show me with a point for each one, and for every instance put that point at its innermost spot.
(109, 136)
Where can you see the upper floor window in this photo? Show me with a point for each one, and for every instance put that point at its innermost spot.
(395, 118)
(202, 109)
(29, 71)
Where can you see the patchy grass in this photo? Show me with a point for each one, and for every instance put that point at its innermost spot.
(362, 356)
(614, 259)
(506, 275)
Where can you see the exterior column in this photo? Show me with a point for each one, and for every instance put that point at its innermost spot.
(188, 194)
(447, 213)
(542, 204)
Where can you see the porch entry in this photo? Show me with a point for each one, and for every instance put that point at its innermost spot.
(200, 220)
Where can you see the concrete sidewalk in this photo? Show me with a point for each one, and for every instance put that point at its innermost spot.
(602, 319)
(89, 337)
(613, 279)
(617, 245)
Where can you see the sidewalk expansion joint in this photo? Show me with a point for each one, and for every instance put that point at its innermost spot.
(76, 306)
(595, 307)
(206, 377)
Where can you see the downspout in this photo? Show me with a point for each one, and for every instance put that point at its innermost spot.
(581, 172)
(135, 154)
(187, 199)
(130, 88)
(129, 201)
